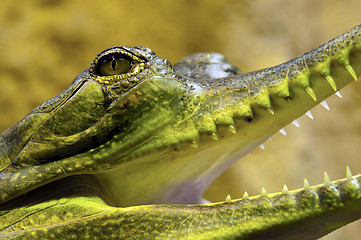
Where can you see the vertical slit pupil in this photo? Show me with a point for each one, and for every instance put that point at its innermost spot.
(114, 64)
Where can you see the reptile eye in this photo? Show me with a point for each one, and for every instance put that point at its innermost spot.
(114, 65)
(117, 64)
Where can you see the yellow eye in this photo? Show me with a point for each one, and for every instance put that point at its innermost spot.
(114, 65)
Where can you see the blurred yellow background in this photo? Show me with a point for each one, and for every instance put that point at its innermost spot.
(44, 44)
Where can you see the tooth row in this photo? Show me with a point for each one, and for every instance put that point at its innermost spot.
(263, 99)
(306, 185)
(309, 114)
(232, 128)
(329, 79)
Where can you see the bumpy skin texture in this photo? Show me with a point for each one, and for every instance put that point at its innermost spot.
(128, 149)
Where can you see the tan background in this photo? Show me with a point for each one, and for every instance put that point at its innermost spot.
(44, 44)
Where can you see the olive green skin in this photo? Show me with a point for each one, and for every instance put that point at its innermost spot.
(77, 165)
(90, 128)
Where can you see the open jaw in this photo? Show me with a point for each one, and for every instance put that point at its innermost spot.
(249, 108)
(262, 104)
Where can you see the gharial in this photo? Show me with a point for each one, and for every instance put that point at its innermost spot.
(127, 150)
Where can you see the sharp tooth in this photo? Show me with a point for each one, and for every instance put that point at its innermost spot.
(325, 105)
(331, 82)
(295, 122)
(195, 144)
(214, 136)
(348, 174)
(306, 185)
(262, 146)
(338, 94)
(310, 92)
(264, 100)
(270, 111)
(285, 189)
(270, 138)
(309, 114)
(282, 130)
(245, 195)
(232, 129)
(263, 192)
(228, 198)
(326, 179)
(351, 71)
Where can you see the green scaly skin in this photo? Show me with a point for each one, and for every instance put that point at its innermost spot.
(129, 155)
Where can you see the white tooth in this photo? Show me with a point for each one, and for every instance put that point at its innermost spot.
(285, 189)
(195, 144)
(228, 198)
(306, 185)
(326, 179)
(270, 138)
(309, 114)
(245, 195)
(262, 146)
(348, 174)
(338, 94)
(232, 129)
(295, 122)
(325, 105)
(263, 192)
(214, 136)
(283, 131)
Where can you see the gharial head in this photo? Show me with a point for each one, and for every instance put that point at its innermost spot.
(132, 130)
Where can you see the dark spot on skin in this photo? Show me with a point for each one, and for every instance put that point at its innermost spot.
(125, 105)
(249, 119)
(288, 99)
